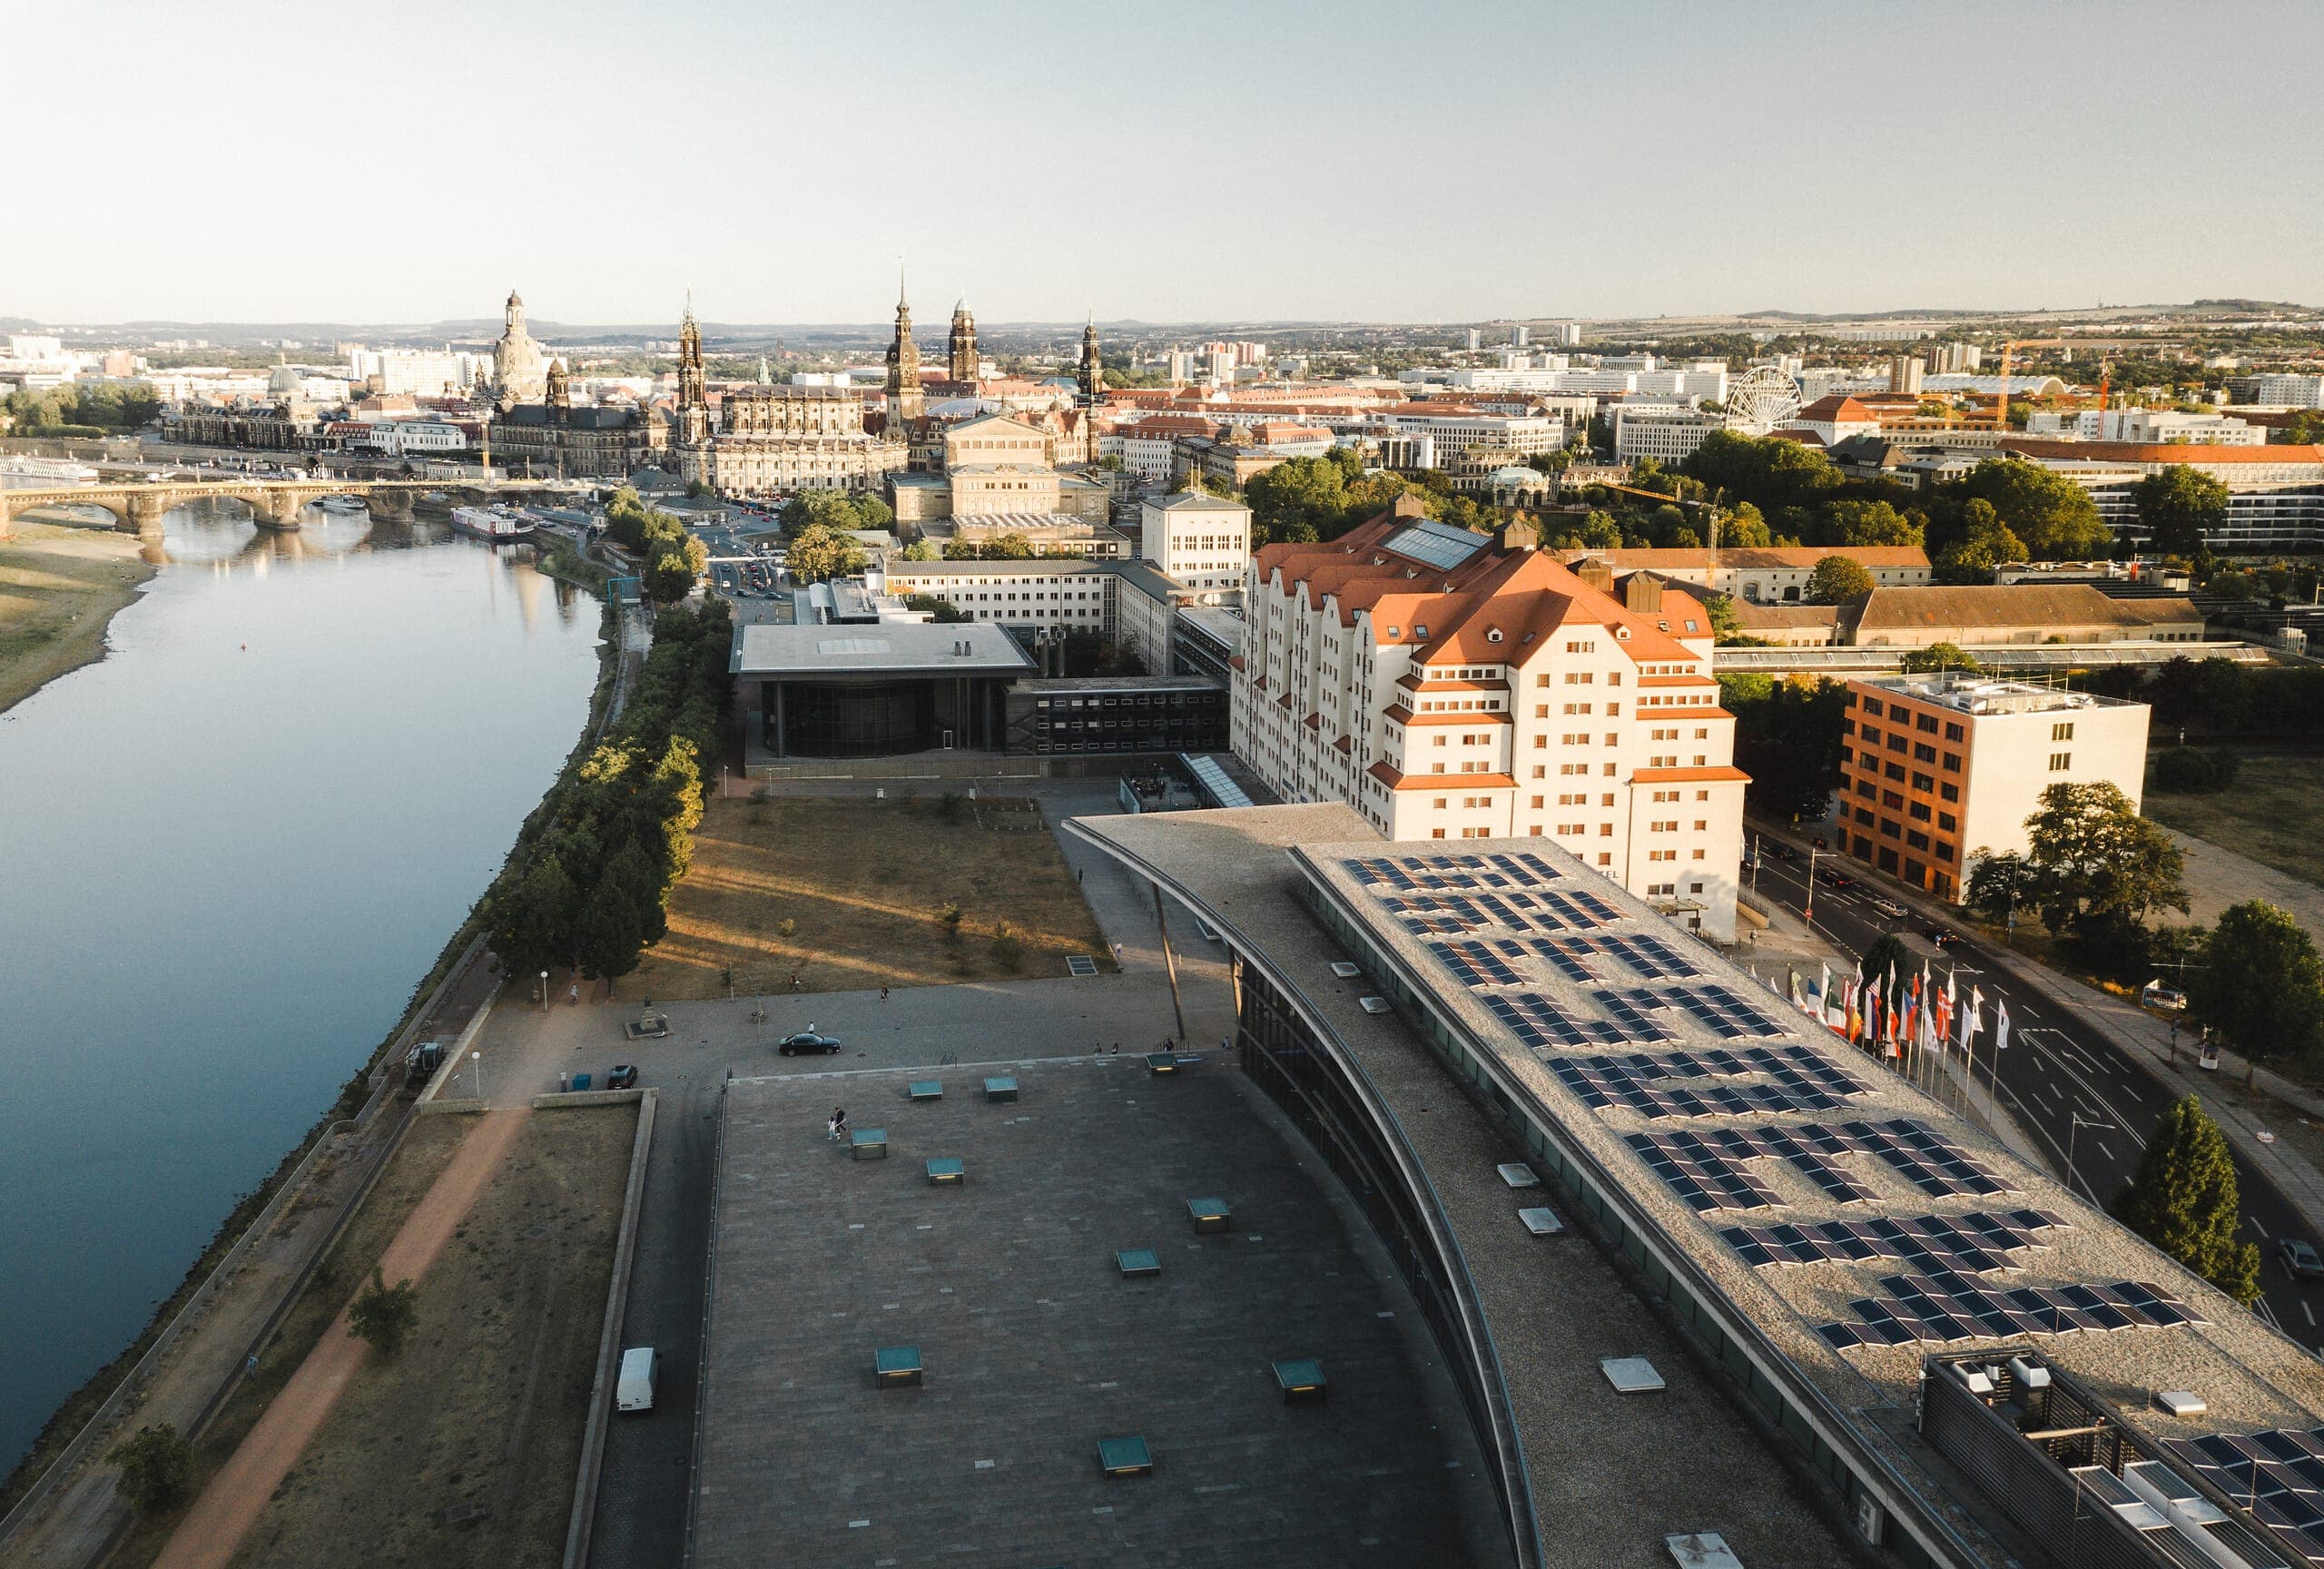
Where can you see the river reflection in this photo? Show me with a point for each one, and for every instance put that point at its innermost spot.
(230, 850)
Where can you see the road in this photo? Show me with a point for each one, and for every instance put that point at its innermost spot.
(2057, 1069)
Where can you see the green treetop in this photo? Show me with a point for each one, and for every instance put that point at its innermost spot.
(2184, 1199)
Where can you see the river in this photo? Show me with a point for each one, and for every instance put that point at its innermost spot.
(230, 851)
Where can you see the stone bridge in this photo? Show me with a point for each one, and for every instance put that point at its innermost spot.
(137, 508)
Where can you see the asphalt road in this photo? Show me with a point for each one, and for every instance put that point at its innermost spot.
(2057, 1069)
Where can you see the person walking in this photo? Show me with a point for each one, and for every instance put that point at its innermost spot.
(839, 1123)
(883, 994)
(573, 997)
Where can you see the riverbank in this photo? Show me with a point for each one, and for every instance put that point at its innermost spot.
(74, 1412)
(60, 588)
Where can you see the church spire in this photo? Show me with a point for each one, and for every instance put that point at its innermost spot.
(1093, 371)
(903, 365)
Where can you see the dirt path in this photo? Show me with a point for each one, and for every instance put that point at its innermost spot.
(213, 1529)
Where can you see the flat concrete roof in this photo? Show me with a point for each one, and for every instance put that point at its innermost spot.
(887, 647)
(1249, 865)
(1034, 1345)
(1611, 1473)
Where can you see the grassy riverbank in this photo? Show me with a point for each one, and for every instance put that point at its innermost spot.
(59, 589)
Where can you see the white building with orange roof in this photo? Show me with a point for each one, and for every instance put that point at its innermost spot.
(1451, 685)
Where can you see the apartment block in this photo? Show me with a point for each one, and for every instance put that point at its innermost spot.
(1942, 770)
(1450, 685)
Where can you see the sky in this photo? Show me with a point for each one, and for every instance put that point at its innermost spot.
(1429, 161)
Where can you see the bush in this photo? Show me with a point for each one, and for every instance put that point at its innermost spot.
(1007, 950)
(384, 1315)
(156, 1469)
(2190, 771)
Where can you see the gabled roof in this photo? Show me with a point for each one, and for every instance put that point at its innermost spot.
(2035, 605)
(1835, 408)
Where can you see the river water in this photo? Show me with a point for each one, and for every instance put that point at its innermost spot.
(227, 854)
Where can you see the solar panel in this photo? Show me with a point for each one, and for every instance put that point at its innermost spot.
(1978, 1243)
(1944, 1305)
(1434, 544)
(2277, 1474)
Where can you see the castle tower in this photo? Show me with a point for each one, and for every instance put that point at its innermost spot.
(1093, 371)
(960, 349)
(559, 394)
(694, 397)
(903, 368)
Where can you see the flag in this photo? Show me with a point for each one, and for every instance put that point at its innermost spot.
(2001, 1025)
(1944, 1007)
(1969, 1023)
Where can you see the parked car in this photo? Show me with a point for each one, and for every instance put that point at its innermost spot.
(1831, 879)
(634, 1386)
(1941, 937)
(1890, 908)
(623, 1077)
(2301, 1260)
(807, 1040)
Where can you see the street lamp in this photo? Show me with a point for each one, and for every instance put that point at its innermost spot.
(476, 1059)
(544, 991)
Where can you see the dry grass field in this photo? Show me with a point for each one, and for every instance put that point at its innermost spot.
(848, 893)
(484, 1411)
(2269, 815)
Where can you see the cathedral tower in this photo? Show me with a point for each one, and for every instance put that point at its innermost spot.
(960, 349)
(694, 399)
(1093, 371)
(904, 370)
(559, 394)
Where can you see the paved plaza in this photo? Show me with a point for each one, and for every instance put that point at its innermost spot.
(1035, 1346)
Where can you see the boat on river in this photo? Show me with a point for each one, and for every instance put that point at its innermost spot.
(500, 523)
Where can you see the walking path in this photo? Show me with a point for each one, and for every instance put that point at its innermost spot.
(2216, 877)
(213, 1529)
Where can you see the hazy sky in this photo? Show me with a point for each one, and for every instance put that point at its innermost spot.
(1425, 161)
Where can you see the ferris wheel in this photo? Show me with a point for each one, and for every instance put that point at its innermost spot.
(1759, 400)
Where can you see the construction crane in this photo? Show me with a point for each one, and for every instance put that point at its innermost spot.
(2009, 352)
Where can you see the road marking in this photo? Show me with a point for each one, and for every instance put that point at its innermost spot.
(2269, 1313)
(2304, 1307)
(2101, 1145)
(2262, 1230)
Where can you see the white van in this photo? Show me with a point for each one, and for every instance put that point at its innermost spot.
(634, 1390)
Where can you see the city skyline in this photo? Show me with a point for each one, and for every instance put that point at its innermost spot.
(1052, 161)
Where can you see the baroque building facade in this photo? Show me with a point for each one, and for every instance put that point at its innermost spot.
(766, 438)
(554, 438)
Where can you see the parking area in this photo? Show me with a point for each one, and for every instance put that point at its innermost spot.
(1034, 1345)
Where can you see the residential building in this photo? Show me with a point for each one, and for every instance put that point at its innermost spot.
(2286, 390)
(1451, 431)
(1446, 684)
(1149, 447)
(1197, 539)
(1905, 373)
(1668, 433)
(1764, 574)
(1833, 418)
(1943, 770)
(2150, 426)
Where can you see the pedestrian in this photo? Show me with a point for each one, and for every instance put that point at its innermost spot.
(1078, 874)
(250, 1366)
(839, 1121)
(1117, 955)
(883, 994)
(575, 996)
(795, 980)
(1117, 1047)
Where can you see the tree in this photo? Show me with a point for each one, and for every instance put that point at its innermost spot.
(2183, 1199)
(818, 552)
(1985, 543)
(1008, 548)
(2182, 507)
(2053, 516)
(1887, 961)
(2261, 985)
(1939, 657)
(1867, 523)
(533, 925)
(939, 610)
(1836, 580)
(1744, 527)
(2304, 428)
(1787, 739)
(156, 1469)
(384, 1316)
(2091, 855)
(1995, 884)
(922, 549)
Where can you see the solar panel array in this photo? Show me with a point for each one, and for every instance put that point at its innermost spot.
(1645, 1082)
(1978, 1243)
(1583, 985)
(1946, 1305)
(2277, 1474)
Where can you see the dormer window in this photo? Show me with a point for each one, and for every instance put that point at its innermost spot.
(1493, 634)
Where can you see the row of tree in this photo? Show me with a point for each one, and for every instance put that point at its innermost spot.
(617, 830)
(673, 559)
(2219, 698)
(78, 409)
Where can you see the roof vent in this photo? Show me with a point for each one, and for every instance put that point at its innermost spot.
(1373, 1004)
(2181, 1402)
(2029, 1375)
(1493, 634)
(1973, 1377)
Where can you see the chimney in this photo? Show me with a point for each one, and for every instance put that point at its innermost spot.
(1519, 533)
(1643, 593)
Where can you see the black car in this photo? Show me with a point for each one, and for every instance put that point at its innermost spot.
(1831, 879)
(2299, 1258)
(623, 1077)
(807, 1040)
(1942, 938)
(1779, 850)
